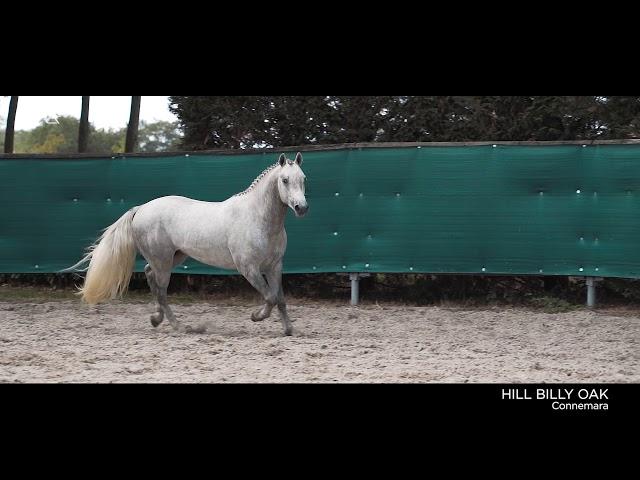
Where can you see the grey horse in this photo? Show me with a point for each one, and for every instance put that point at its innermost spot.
(244, 233)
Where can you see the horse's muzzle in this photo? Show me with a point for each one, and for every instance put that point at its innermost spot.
(301, 210)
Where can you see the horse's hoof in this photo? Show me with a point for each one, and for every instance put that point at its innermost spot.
(256, 318)
(155, 321)
(288, 331)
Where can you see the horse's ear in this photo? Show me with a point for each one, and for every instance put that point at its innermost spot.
(299, 158)
(282, 160)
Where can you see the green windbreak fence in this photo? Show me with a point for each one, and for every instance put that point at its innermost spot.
(496, 209)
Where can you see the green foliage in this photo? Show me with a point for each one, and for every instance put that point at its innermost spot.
(550, 304)
(158, 136)
(258, 121)
(624, 287)
(3, 125)
(61, 136)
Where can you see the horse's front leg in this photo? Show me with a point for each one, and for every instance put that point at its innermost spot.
(274, 277)
(267, 290)
(263, 313)
(274, 281)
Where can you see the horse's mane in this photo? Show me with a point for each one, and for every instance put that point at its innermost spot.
(257, 180)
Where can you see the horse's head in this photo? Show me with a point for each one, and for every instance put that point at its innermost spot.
(291, 180)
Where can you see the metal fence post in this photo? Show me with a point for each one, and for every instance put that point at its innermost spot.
(355, 286)
(591, 291)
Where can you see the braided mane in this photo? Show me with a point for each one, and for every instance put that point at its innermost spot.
(257, 180)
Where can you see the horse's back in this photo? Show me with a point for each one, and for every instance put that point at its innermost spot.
(173, 201)
(174, 213)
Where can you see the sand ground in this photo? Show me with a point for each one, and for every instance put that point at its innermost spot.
(65, 341)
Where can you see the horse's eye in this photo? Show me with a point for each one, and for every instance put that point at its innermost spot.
(285, 180)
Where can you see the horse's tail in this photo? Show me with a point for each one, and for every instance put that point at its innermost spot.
(111, 260)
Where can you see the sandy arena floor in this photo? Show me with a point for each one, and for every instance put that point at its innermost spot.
(64, 341)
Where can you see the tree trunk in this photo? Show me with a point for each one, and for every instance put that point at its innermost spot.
(83, 132)
(132, 129)
(11, 120)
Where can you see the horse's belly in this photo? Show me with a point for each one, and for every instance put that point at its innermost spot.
(214, 255)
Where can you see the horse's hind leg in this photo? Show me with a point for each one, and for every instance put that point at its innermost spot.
(158, 317)
(162, 280)
(161, 275)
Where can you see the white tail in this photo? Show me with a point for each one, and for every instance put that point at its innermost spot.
(111, 260)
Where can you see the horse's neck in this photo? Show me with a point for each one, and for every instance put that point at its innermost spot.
(265, 204)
